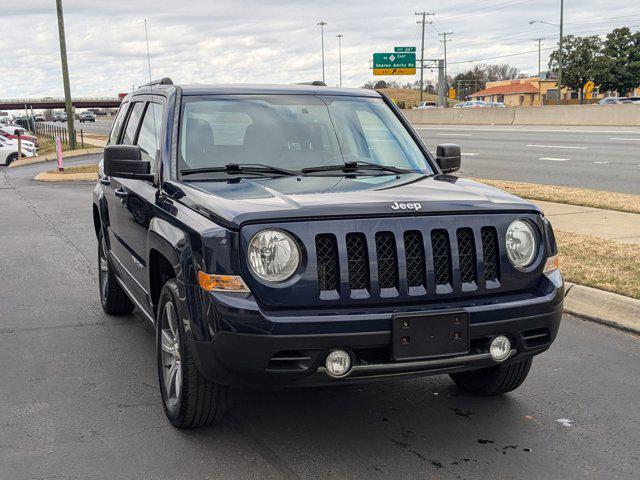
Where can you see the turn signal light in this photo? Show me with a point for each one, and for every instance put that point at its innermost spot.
(553, 263)
(227, 283)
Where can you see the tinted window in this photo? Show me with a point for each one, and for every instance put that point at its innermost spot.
(149, 136)
(117, 124)
(132, 124)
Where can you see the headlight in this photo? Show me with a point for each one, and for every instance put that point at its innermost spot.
(521, 243)
(273, 255)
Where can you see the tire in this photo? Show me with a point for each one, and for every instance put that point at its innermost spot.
(11, 158)
(493, 380)
(190, 400)
(113, 298)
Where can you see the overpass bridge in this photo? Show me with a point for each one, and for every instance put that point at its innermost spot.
(58, 103)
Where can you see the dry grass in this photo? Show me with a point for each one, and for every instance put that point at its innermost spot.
(48, 146)
(411, 98)
(78, 169)
(622, 202)
(599, 263)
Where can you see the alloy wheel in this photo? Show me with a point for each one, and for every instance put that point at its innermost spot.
(170, 355)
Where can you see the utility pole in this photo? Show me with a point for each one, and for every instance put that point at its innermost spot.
(444, 36)
(322, 24)
(423, 22)
(340, 56)
(560, 52)
(65, 76)
(539, 40)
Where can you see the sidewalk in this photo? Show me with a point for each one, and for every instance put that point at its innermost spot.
(619, 226)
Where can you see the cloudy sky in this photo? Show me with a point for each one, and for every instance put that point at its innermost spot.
(275, 41)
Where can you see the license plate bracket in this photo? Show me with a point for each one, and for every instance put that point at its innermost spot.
(437, 334)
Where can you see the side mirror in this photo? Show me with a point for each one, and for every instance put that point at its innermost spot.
(448, 157)
(125, 161)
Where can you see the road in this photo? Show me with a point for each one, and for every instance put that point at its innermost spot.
(102, 125)
(79, 396)
(603, 158)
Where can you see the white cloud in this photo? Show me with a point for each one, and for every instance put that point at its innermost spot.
(267, 40)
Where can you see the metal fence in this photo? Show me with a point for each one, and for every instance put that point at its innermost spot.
(52, 131)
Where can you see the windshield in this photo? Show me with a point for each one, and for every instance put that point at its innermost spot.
(294, 132)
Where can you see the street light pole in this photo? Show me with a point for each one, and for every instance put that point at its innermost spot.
(322, 24)
(340, 56)
(65, 76)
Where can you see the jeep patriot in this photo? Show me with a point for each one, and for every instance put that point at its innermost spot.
(304, 235)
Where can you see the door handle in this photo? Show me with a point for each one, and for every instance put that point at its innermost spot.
(120, 193)
(105, 181)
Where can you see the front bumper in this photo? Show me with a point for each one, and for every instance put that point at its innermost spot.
(290, 351)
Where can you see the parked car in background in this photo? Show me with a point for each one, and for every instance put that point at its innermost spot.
(57, 117)
(87, 117)
(612, 101)
(12, 132)
(27, 146)
(632, 100)
(423, 105)
(496, 104)
(9, 152)
(39, 118)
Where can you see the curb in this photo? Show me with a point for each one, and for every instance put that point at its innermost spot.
(53, 156)
(70, 177)
(611, 309)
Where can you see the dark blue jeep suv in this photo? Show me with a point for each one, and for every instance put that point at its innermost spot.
(304, 235)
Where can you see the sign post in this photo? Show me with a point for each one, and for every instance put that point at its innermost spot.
(59, 153)
(394, 63)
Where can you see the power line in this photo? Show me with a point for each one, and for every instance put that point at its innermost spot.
(501, 56)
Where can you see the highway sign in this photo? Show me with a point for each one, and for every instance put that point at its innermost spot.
(394, 63)
(588, 96)
(394, 71)
(589, 86)
(404, 49)
(452, 93)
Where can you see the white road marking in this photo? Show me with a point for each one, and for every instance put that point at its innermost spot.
(467, 154)
(625, 139)
(453, 135)
(600, 163)
(558, 146)
(553, 159)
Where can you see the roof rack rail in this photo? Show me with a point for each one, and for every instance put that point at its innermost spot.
(162, 81)
(315, 83)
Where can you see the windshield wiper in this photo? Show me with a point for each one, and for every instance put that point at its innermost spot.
(351, 167)
(235, 168)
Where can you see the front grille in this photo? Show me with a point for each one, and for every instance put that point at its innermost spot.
(358, 261)
(466, 255)
(414, 253)
(416, 262)
(490, 253)
(441, 257)
(327, 258)
(387, 260)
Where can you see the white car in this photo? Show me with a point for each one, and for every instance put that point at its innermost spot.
(9, 150)
(424, 105)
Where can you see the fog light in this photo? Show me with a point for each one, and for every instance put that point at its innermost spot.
(500, 348)
(338, 363)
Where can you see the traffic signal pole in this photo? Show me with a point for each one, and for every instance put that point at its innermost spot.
(65, 76)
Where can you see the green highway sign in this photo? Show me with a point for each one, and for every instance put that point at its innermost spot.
(394, 60)
(404, 49)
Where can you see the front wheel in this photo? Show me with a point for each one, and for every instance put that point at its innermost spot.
(113, 298)
(189, 399)
(493, 380)
(11, 158)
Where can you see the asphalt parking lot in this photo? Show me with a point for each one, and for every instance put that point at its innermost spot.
(79, 395)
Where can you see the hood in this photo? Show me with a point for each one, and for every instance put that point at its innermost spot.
(238, 201)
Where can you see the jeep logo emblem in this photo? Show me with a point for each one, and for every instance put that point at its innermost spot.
(407, 206)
